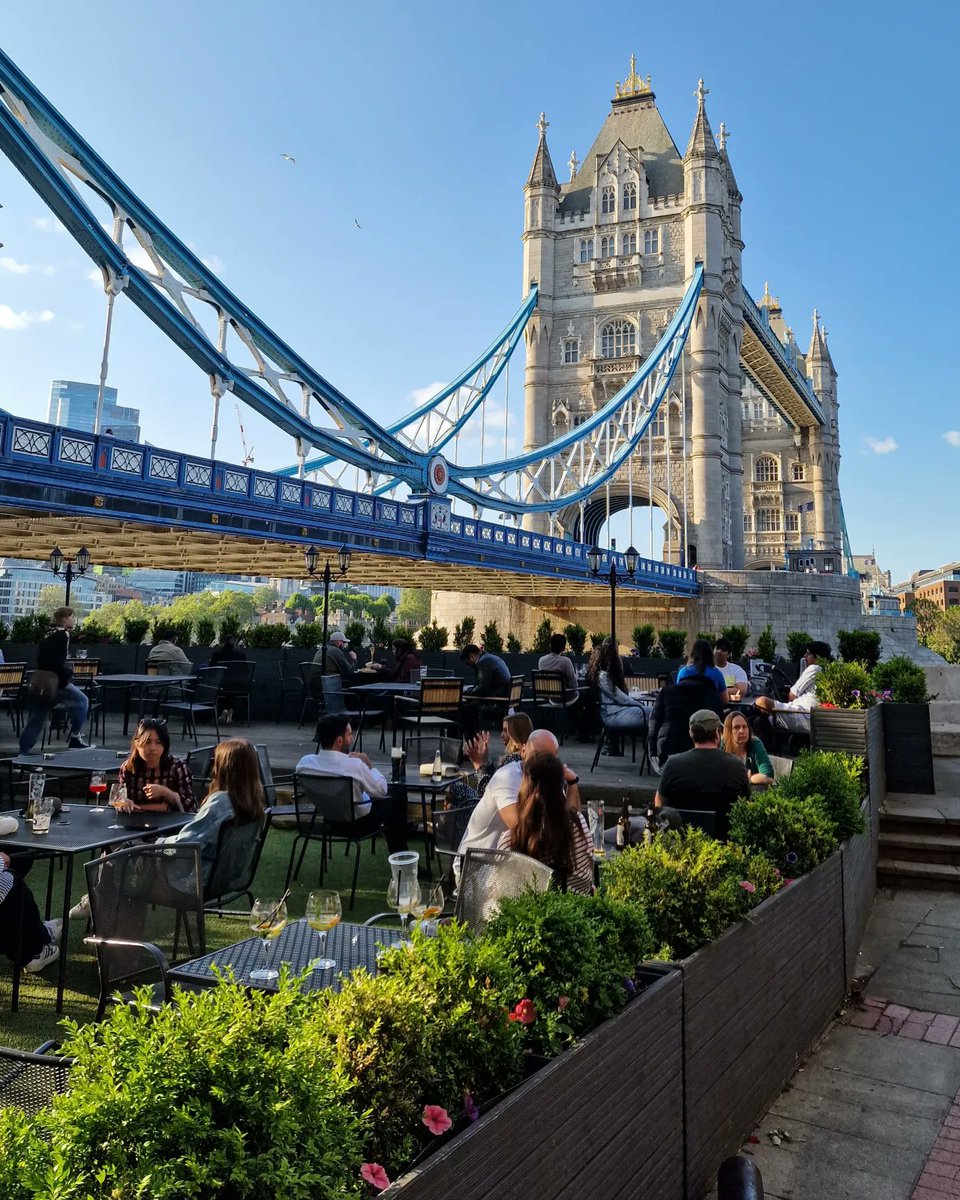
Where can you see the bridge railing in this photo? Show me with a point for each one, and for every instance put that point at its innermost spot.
(760, 319)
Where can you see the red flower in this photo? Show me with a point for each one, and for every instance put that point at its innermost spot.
(375, 1175)
(747, 885)
(524, 1012)
(436, 1119)
(563, 1002)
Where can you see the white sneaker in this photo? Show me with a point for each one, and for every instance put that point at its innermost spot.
(49, 954)
(55, 928)
(81, 908)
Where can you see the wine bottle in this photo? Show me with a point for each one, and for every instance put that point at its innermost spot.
(623, 826)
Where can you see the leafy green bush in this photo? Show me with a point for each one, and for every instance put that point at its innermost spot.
(737, 636)
(673, 642)
(93, 632)
(597, 639)
(572, 954)
(492, 638)
(944, 633)
(33, 628)
(767, 644)
(837, 778)
(431, 1026)
(706, 637)
(4, 631)
(797, 643)
(644, 637)
(903, 679)
(576, 637)
(859, 646)
(307, 635)
(513, 644)
(844, 685)
(463, 633)
(380, 633)
(433, 636)
(405, 632)
(265, 637)
(221, 1095)
(206, 632)
(795, 834)
(355, 632)
(541, 639)
(231, 626)
(135, 630)
(690, 886)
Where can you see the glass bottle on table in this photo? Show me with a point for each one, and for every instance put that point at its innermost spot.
(623, 826)
(437, 773)
(98, 785)
(323, 913)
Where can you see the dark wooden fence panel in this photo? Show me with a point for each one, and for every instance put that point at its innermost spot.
(859, 856)
(603, 1114)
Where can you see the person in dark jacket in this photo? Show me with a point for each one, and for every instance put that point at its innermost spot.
(52, 654)
(407, 662)
(227, 652)
(669, 728)
(493, 680)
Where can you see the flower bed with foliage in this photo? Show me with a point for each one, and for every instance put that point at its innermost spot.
(233, 1095)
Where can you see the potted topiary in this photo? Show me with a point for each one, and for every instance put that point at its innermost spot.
(908, 748)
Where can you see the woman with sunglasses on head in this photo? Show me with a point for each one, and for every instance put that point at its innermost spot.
(514, 731)
(154, 779)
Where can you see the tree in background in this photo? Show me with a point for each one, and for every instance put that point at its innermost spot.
(265, 596)
(300, 605)
(51, 598)
(414, 607)
(542, 636)
(576, 637)
(491, 638)
(926, 614)
(945, 637)
(463, 633)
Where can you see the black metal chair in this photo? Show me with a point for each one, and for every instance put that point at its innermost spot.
(326, 813)
(489, 876)
(239, 847)
(670, 818)
(311, 678)
(449, 826)
(550, 699)
(270, 781)
(29, 1081)
(338, 703)
(140, 897)
(237, 685)
(200, 765)
(290, 685)
(11, 691)
(435, 710)
(610, 735)
(201, 701)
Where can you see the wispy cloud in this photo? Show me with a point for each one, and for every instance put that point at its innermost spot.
(887, 446)
(18, 268)
(47, 225)
(10, 320)
(953, 437)
(422, 395)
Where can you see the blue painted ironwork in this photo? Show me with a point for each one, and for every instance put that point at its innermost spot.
(847, 549)
(758, 319)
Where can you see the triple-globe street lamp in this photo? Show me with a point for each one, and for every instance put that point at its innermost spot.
(311, 558)
(594, 558)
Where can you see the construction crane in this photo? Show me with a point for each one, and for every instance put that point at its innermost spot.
(247, 450)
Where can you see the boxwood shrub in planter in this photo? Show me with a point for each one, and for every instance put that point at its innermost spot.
(908, 746)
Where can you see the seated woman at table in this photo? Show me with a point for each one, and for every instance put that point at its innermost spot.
(24, 935)
(739, 741)
(701, 666)
(619, 711)
(547, 828)
(236, 794)
(155, 780)
(407, 661)
(514, 731)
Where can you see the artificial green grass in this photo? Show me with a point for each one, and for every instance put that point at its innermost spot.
(37, 1020)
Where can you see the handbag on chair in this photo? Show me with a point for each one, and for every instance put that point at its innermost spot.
(44, 686)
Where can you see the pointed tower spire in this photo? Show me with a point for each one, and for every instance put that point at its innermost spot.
(818, 352)
(542, 173)
(701, 138)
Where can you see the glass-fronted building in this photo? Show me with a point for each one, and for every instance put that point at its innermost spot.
(73, 405)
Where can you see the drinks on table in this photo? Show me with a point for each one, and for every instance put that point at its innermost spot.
(268, 919)
(323, 913)
(98, 785)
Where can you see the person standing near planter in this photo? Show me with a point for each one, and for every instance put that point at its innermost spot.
(52, 683)
(704, 778)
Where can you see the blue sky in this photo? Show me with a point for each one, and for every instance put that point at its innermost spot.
(418, 122)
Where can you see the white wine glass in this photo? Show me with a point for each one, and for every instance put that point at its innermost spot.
(403, 894)
(118, 802)
(268, 919)
(323, 913)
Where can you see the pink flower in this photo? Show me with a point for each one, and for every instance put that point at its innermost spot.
(436, 1119)
(470, 1110)
(563, 1002)
(524, 1012)
(375, 1175)
(747, 885)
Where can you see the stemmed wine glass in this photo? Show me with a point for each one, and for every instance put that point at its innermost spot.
(323, 913)
(98, 785)
(117, 801)
(268, 919)
(433, 906)
(403, 894)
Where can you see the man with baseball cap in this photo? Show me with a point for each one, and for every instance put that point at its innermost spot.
(340, 658)
(704, 778)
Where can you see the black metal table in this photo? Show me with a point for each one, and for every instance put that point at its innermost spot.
(76, 830)
(85, 762)
(395, 689)
(299, 945)
(129, 681)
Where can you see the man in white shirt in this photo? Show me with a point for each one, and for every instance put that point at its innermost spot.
(557, 660)
(374, 803)
(794, 712)
(735, 677)
(496, 810)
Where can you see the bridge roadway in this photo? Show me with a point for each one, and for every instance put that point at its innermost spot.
(135, 505)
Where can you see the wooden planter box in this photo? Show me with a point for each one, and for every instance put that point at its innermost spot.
(908, 748)
(602, 1120)
(753, 1003)
(839, 729)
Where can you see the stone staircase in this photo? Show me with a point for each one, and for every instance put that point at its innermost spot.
(945, 727)
(919, 844)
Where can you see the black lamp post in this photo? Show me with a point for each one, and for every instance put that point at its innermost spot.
(64, 566)
(594, 557)
(311, 558)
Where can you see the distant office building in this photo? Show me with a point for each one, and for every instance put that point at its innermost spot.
(21, 583)
(941, 586)
(74, 406)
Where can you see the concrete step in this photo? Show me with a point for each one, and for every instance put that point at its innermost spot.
(932, 845)
(899, 872)
(945, 712)
(945, 738)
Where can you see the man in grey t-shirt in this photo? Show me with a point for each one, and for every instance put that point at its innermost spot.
(557, 660)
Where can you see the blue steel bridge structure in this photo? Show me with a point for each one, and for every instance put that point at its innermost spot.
(413, 499)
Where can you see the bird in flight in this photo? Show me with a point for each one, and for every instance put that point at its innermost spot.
(289, 158)
(357, 223)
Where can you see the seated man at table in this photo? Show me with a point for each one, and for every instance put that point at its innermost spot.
(794, 712)
(376, 804)
(341, 660)
(22, 926)
(168, 657)
(704, 778)
(493, 680)
(734, 676)
(557, 661)
(496, 810)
